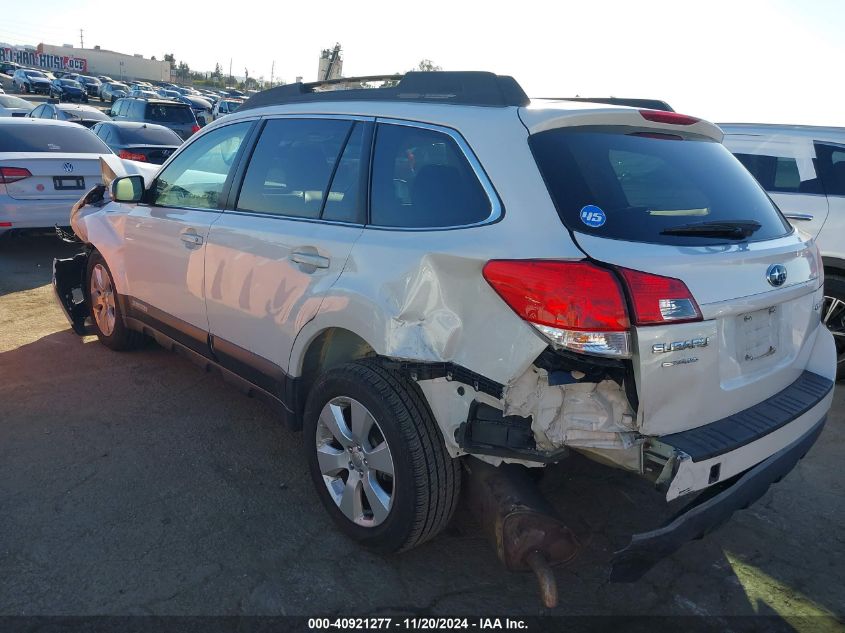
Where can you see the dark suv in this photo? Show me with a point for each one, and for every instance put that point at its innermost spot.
(179, 117)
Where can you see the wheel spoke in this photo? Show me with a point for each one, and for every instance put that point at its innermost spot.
(379, 459)
(379, 499)
(833, 307)
(332, 418)
(98, 278)
(351, 502)
(362, 422)
(331, 460)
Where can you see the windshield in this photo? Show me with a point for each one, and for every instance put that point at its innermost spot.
(66, 139)
(8, 101)
(625, 184)
(123, 87)
(35, 73)
(231, 106)
(71, 83)
(89, 80)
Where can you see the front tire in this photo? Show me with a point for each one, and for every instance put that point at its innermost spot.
(104, 307)
(377, 457)
(833, 316)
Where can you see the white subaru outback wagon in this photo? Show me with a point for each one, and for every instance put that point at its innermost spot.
(442, 270)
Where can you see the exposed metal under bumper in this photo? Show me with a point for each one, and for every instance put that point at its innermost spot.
(709, 511)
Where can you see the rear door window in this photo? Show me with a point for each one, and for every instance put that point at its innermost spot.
(630, 185)
(291, 166)
(421, 179)
(831, 164)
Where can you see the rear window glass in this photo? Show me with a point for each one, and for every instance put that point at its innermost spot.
(92, 114)
(631, 186)
(73, 139)
(150, 136)
(168, 113)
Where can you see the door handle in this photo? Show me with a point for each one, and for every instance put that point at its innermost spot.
(191, 239)
(800, 217)
(310, 259)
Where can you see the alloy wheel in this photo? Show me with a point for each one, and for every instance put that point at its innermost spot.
(102, 299)
(355, 461)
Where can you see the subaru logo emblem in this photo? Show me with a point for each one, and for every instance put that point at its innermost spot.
(776, 275)
(68, 167)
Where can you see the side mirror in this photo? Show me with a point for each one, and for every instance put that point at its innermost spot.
(127, 189)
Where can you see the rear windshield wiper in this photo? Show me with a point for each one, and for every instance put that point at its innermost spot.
(735, 229)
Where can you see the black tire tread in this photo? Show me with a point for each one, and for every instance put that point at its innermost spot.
(437, 474)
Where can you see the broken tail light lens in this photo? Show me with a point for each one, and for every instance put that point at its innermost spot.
(576, 305)
(8, 175)
(659, 300)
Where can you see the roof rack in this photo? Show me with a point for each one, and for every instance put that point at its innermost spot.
(650, 104)
(450, 87)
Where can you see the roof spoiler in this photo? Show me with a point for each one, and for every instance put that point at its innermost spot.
(649, 104)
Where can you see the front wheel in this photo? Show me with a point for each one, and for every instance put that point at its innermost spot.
(377, 457)
(105, 307)
(833, 316)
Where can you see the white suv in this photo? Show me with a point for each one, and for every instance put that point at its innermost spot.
(803, 169)
(441, 268)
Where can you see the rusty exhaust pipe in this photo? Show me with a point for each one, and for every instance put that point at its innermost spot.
(520, 523)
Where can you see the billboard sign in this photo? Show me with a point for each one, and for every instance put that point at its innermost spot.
(29, 57)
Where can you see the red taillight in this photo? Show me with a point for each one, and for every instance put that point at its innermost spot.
(570, 295)
(657, 299)
(672, 118)
(195, 129)
(131, 155)
(5, 224)
(8, 175)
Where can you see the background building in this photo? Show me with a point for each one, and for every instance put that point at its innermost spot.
(116, 65)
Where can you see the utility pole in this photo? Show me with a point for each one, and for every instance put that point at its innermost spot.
(272, 68)
(81, 41)
(230, 68)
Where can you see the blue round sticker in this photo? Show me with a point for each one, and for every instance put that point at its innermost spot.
(593, 216)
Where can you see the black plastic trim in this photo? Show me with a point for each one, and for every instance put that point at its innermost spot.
(708, 511)
(429, 371)
(747, 426)
(450, 87)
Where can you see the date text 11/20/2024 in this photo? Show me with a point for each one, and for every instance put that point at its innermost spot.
(414, 624)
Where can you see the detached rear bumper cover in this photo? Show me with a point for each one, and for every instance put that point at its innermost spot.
(648, 548)
(68, 286)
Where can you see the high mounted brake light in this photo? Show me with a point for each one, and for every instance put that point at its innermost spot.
(126, 154)
(672, 118)
(8, 175)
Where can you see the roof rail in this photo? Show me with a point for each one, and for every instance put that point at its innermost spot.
(651, 104)
(450, 87)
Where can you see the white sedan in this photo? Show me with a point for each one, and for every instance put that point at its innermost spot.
(11, 105)
(45, 167)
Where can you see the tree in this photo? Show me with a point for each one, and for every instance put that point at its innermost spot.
(168, 57)
(426, 65)
(153, 58)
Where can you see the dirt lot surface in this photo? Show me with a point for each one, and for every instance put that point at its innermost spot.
(134, 483)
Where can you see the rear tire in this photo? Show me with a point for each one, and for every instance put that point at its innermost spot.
(104, 307)
(833, 316)
(413, 502)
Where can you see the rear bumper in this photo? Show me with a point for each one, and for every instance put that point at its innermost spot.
(710, 510)
(35, 214)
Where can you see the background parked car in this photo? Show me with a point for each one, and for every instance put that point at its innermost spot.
(143, 93)
(803, 169)
(224, 107)
(82, 114)
(166, 93)
(179, 117)
(145, 142)
(47, 166)
(8, 68)
(113, 90)
(30, 81)
(14, 106)
(92, 85)
(68, 90)
(201, 108)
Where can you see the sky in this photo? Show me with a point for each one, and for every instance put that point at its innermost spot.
(775, 61)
